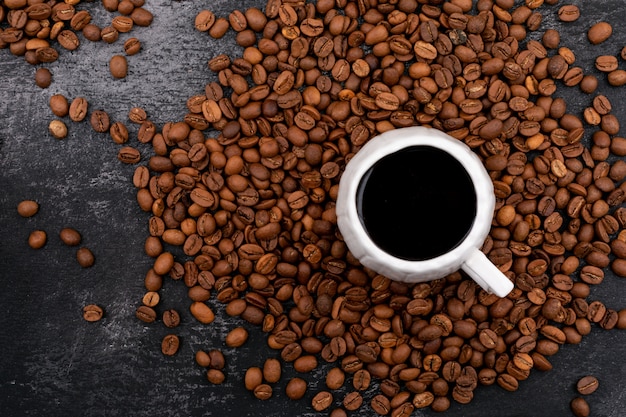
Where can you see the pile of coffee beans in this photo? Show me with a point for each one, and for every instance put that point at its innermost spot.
(246, 184)
(35, 29)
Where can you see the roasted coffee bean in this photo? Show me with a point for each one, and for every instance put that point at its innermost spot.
(93, 312)
(43, 77)
(236, 337)
(215, 376)
(171, 318)
(58, 129)
(100, 121)
(587, 385)
(599, 32)
(170, 344)
(296, 388)
(27, 208)
(202, 312)
(253, 378)
(69, 236)
(569, 13)
(263, 392)
(132, 46)
(146, 314)
(37, 239)
(78, 109)
(118, 66)
(579, 407)
(272, 370)
(322, 400)
(85, 257)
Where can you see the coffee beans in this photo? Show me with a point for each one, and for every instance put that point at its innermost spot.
(171, 318)
(236, 337)
(202, 312)
(29, 32)
(599, 32)
(85, 257)
(587, 385)
(92, 312)
(579, 407)
(170, 345)
(37, 239)
(118, 66)
(43, 77)
(296, 388)
(69, 236)
(252, 207)
(27, 208)
(58, 129)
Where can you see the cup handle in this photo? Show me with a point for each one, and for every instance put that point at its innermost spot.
(486, 274)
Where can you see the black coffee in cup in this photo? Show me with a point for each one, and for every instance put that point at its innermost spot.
(417, 203)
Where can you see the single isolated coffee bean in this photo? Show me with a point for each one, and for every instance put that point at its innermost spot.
(132, 46)
(58, 129)
(171, 318)
(579, 407)
(43, 77)
(118, 66)
(599, 32)
(92, 312)
(85, 257)
(236, 337)
(146, 314)
(69, 236)
(27, 208)
(37, 239)
(170, 344)
(587, 385)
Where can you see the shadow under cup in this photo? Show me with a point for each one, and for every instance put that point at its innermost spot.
(416, 203)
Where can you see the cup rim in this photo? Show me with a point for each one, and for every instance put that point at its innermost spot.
(360, 243)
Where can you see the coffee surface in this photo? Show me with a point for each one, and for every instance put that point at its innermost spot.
(417, 203)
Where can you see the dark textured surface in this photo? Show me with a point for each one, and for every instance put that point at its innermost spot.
(54, 363)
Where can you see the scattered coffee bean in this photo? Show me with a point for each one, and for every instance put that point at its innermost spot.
(69, 236)
(236, 337)
(43, 77)
(170, 345)
(58, 129)
(599, 32)
(579, 407)
(263, 392)
(118, 66)
(171, 318)
(92, 312)
(85, 257)
(253, 378)
(296, 388)
(215, 376)
(37, 239)
(587, 385)
(27, 208)
(322, 400)
(272, 370)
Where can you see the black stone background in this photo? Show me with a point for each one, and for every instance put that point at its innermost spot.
(53, 363)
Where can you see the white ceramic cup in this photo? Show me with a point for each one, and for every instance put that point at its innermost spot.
(466, 255)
